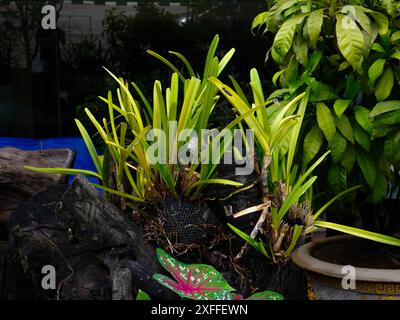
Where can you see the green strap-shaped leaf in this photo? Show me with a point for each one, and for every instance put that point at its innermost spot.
(89, 145)
(185, 61)
(168, 63)
(67, 171)
(359, 233)
(258, 245)
(326, 205)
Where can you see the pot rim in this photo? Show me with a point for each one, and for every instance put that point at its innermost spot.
(303, 258)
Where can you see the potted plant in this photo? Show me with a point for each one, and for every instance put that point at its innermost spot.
(316, 45)
(346, 268)
(287, 215)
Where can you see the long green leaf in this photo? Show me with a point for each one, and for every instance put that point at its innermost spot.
(295, 238)
(359, 233)
(259, 246)
(67, 171)
(185, 61)
(169, 64)
(326, 205)
(89, 145)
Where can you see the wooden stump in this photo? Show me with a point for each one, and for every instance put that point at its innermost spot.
(17, 184)
(97, 251)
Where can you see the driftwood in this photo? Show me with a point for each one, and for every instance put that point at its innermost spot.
(13, 284)
(97, 251)
(18, 184)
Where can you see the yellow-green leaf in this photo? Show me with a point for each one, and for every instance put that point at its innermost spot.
(348, 158)
(385, 106)
(362, 117)
(376, 70)
(367, 166)
(362, 137)
(359, 233)
(312, 144)
(284, 37)
(314, 24)
(350, 41)
(326, 122)
(338, 147)
(340, 106)
(384, 85)
(345, 128)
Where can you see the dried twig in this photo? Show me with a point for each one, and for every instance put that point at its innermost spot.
(263, 216)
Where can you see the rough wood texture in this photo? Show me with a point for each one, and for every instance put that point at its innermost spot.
(97, 251)
(12, 283)
(17, 184)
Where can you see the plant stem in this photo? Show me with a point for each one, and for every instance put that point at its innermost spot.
(263, 216)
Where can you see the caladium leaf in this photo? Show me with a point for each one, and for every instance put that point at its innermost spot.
(141, 295)
(266, 295)
(195, 281)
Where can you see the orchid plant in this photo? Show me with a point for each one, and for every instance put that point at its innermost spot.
(286, 211)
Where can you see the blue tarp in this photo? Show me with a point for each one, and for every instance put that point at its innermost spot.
(82, 157)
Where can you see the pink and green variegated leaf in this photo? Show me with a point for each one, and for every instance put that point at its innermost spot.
(195, 281)
(266, 295)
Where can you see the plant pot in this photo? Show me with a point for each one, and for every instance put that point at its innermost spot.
(323, 261)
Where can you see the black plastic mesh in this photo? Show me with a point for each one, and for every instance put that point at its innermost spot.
(191, 222)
